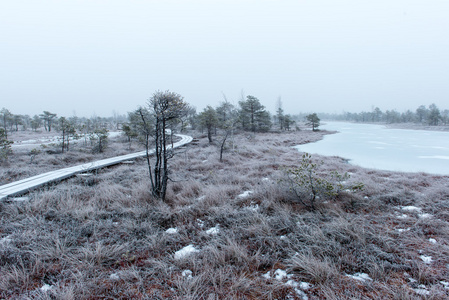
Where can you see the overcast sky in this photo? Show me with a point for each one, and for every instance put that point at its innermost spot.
(89, 57)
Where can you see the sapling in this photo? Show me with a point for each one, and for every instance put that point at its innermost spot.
(309, 186)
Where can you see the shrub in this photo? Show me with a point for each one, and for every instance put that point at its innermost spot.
(308, 186)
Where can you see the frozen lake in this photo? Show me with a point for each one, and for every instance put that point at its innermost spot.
(378, 147)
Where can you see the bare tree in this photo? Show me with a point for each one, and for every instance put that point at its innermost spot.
(164, 108)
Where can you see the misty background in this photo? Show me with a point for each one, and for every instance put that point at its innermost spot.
(95, 57)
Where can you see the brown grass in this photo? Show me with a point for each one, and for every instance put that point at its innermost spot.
(109, 239)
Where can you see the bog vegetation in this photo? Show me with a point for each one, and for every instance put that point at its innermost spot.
(244, 216)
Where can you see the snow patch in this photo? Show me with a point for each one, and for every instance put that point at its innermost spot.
(253, 207)
(245, 194)
(267, 275)
(172, 230)
(298, 292)
(280, 274)
(402, 229)
(5, 240)
(200, 223)
(46, 287)
(304, 285)
(213, 231)
(402, 216)
(201, 198)
(187, 273)
(114, 276)
(411, 208)
(426, 259)
(20, 199)
(422, 290)
(433, 241)
(425, 216)
(360, 276)
(186, 251)
(445, 284)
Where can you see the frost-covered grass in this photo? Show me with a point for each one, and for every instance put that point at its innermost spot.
(24, 163)
(110, 239)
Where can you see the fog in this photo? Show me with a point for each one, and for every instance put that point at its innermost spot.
(95, 57)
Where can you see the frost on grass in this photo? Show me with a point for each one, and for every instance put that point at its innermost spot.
(186, 251)
(426, 259)
(360, 277)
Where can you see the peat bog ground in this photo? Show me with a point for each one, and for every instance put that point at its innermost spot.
(228, 230)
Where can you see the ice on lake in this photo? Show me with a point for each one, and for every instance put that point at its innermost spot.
(378, 147)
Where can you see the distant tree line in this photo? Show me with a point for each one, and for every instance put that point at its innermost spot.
(94, 129)
(430, 115)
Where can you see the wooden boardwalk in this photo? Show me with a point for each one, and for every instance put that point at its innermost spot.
(25, 185)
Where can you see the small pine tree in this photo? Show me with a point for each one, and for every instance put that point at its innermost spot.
(5, 146)
(313, 121)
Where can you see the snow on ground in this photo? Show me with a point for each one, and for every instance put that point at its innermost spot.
(253, 206)
(411, 208)
(114, 276)
(172, 230)
(20, 199)
(433, 241)
(213, 230)
(426, 259)
(280, 274)
(422, 290)
(5, 240)
(402, 229)
(402, 216)
(245, 194)
(187, 273)
(46, 287)
(360, 276)
(200, 223)
(186, 251)
(425, 216)
(46, 140)
(299, 287)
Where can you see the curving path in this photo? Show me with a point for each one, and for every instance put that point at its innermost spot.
(25, 185)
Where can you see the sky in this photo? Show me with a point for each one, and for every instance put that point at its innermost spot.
(99, 57)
